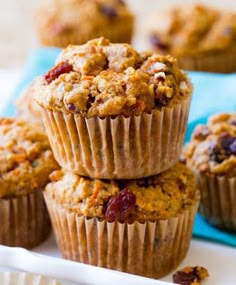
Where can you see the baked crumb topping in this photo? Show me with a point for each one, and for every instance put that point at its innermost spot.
(104, 79)
(26, 158)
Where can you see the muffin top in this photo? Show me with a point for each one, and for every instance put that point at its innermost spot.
(194, 30)
(65, 17)
(27, 109)
(104, 79)
(26, 158)
(157, 197)
(212, 148)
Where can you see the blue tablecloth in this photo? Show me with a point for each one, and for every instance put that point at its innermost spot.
(212, 93)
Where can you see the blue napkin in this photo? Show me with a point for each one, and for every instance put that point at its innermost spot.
(212, 93)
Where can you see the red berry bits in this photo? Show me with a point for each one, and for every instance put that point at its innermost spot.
(108, 11)
(121, 207)
(56, 71)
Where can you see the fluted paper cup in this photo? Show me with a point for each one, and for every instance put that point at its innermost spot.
(218, 196)
(150, 249)
(117, 148)
(221, 62)
(24, 220)
(23, 278)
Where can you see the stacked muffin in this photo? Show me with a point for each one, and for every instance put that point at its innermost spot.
(113, 113)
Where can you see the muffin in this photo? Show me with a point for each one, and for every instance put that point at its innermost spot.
(26, 107)
(202, 38)
(113, 113)
(63, 22)
(137, 226)
(26, 162)
(23, 278)
(211, 154)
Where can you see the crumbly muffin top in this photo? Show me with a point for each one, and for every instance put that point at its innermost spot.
(193, 30)
(26, 158)
(60, 17)
(212, 148)
(27, 109)
(156, 197)
(104, 79)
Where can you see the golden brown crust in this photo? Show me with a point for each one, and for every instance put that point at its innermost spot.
(158, 197)
(195, 30)
(212, 148)
(64, 22)
(26, 158)
(104, 79)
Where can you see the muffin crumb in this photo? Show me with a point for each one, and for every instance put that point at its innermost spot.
(190, 275)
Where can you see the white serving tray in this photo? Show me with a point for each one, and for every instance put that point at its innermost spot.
(45, 259)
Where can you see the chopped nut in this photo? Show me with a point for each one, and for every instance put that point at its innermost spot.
(190, 275)
(160, 75)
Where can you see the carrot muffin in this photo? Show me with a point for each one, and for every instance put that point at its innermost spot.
(62, 22)
(137, 226)
(26, 162)
(27, 109)
(211, 154)
(202, 38)
(111, 112)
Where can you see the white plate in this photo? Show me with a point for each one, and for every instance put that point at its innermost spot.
(219, 260)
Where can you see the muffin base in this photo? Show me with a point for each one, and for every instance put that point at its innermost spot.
(119, 148)
(221, 62)
(24, 220)
(218, 196)
(150, 249)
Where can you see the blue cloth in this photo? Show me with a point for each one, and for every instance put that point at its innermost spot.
(212, 93)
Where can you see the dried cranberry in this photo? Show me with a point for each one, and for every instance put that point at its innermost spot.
(56, 71)
(108, 11)
(157, 43)
(71, 107)
(233, 147)
(121, 206)
(214, 152)
(121, 2)
(232, 122)
(226, 143)
(180, 184)
(184, 278)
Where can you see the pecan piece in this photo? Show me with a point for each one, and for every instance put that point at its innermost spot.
(190, 275)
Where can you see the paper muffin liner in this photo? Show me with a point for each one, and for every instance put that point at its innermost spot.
(118, 34)
(119, 148)
(221, 62)
(23, 278)
(218, 196)
(24, 220)
(150, 249)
